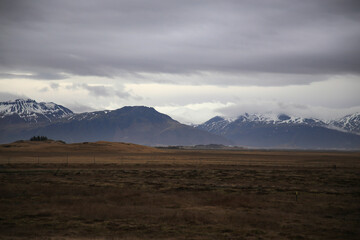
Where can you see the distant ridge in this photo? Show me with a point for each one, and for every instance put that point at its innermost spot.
(138, 124)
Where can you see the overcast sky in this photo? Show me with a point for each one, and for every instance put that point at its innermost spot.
(190, 59)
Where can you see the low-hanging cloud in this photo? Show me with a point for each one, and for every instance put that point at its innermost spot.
(101, 90)
(292, 109)
(55, 86)
(79, 108)
(53, 39)
(6, 96)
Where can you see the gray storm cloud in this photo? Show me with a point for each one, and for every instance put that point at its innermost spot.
(51, 39)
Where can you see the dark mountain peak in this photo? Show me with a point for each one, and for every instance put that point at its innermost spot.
(142, 112)
(127, 113)
(138, 109)
(283, 117)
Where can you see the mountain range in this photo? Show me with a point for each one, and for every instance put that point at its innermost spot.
(24, 118)
(21, 119)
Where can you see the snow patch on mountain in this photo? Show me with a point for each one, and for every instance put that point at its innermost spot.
(31, 111)
(349, 123)
(273, 118)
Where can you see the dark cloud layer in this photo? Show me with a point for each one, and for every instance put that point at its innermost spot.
(51, 39)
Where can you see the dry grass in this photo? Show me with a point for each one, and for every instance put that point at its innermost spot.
(176, 194)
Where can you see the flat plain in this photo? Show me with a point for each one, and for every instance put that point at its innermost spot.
(52, 190)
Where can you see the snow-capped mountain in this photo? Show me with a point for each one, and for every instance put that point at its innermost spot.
(215, 125)
(282, 131)
(219, 125)
(271, 118)
(349, 123)
(28, 110)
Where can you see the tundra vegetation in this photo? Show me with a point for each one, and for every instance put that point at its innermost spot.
(52, 190)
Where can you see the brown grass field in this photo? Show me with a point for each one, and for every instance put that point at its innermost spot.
(51, 190)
